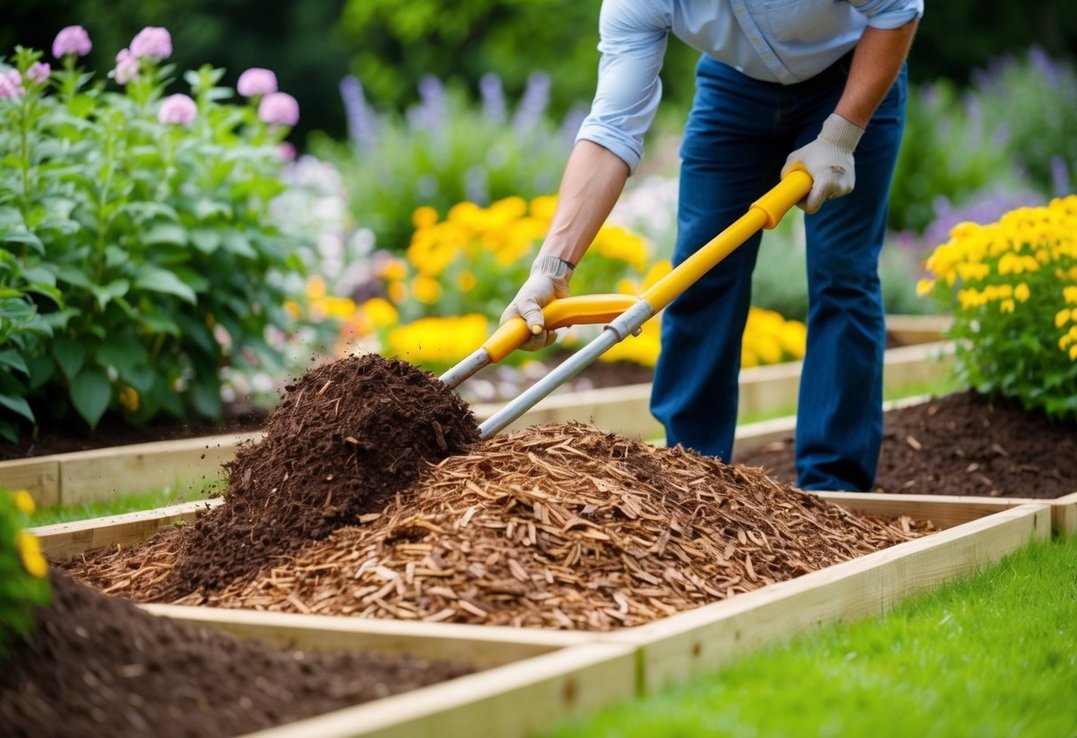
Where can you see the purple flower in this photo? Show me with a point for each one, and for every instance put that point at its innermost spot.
(256, 81)
(71, 40)
(279, 108)
(362, 119)
(286, 151)
(533, 103)
(178, 109)
(493, 98)
(11, 84)
(126, 67)
(38, 72)
(430, 112)
(152, 42)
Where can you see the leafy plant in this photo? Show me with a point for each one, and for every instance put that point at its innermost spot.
(24, 583)
(445, 151)
(137, 237)
(1012, 289)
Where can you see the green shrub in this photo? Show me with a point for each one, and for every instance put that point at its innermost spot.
(23, 572)
(1012, 289)
(143, 259)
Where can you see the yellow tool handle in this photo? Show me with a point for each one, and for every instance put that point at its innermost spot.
(579, 310)
(765, 212)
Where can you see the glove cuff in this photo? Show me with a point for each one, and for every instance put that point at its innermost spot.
(840, 133)
(552, 266)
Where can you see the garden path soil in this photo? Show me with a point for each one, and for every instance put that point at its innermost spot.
(559, 526)
(960, 444)
(344, 440)
(97, 665)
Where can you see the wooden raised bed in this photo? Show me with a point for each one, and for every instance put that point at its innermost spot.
(675, 648)
(107, 473)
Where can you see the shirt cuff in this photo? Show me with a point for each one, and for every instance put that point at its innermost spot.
(608, 137)
(895, 19)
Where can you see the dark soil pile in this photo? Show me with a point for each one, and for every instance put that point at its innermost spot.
(344, 439)
(97, 666)
(961, 444)
(559, 526)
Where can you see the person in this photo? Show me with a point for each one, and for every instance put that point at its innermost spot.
(816, 83)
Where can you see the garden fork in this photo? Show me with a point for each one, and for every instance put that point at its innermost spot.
(623, 315)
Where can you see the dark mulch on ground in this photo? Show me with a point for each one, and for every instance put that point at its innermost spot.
(99, 666)
(961, 444)
(342, 442)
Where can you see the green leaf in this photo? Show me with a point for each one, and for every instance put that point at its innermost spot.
(205, 240)
(17, 405)
(70, 355)
(155, 279)
(13, 359)
(115, 288)
(205, 209)
(22, 234)
(148, 210)
(165, 234)
(41, 369)
(206, 397)
(238, 244)
(123, 353)
(91, 393)
(39, 275)
(156, 323)
(8, 432)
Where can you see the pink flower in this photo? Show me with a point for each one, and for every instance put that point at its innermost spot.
(177, 109)
(256, 81)
(71, 40)
(152, 42)
(38, 72)
(11, 85)
(286, 151)
(126, 67)
(279, 108)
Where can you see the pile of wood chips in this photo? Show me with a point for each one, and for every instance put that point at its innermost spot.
(564, 526)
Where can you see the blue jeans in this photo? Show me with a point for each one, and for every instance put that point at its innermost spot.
(738, 136)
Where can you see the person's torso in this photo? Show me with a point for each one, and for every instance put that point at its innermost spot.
(782, 41)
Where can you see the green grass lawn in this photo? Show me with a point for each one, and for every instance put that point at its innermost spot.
(993, 655)
(123, 504)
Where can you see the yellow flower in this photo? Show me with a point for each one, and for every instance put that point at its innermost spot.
(1006, 306)
(397, 292)
(466, 281)
(130, 399)
(924, 286)
(337, 307)
(380, 312)
(424, 217)
(626, 287)
(425, 289)
(543, 207)
(315, 289)
(1020, 292)
(23, 501)
(1073, 352)
(1069, 294)
(393, 270)
(1062, 317)
(30, 553)
(292, 308)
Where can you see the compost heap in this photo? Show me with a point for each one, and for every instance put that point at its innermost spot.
(559, 526)
(97, 665)
(344, 439)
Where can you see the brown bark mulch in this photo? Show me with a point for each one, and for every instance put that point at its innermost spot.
(559, 526)
(344, 439)
(97, 665)
(960, 444)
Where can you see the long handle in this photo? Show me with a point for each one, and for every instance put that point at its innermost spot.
(621, 311)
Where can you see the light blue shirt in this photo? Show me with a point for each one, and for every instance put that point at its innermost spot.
(783, 41)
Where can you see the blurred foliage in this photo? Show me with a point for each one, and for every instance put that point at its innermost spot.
(292, 39)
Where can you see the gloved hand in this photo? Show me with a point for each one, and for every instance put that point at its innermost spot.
(829, 161)
(548, 281)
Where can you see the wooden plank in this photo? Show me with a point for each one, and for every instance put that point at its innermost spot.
(482, 645)
(945, 511)
(1064, 514)
(63, 541)
(514, 701)
(913, 329)
(693, 642)
(110, 472)
(40, 477)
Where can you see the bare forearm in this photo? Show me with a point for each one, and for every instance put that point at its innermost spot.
(876, 63)
(593, 180)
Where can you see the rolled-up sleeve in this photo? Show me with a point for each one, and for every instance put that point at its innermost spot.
(889, 14)
(632, 43)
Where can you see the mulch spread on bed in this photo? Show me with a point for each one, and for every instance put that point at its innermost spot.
(97, 666)
(961, 444)
(559, 526)
(344, 439)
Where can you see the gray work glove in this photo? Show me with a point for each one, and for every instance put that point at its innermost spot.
(548, 281)
(829, 161)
